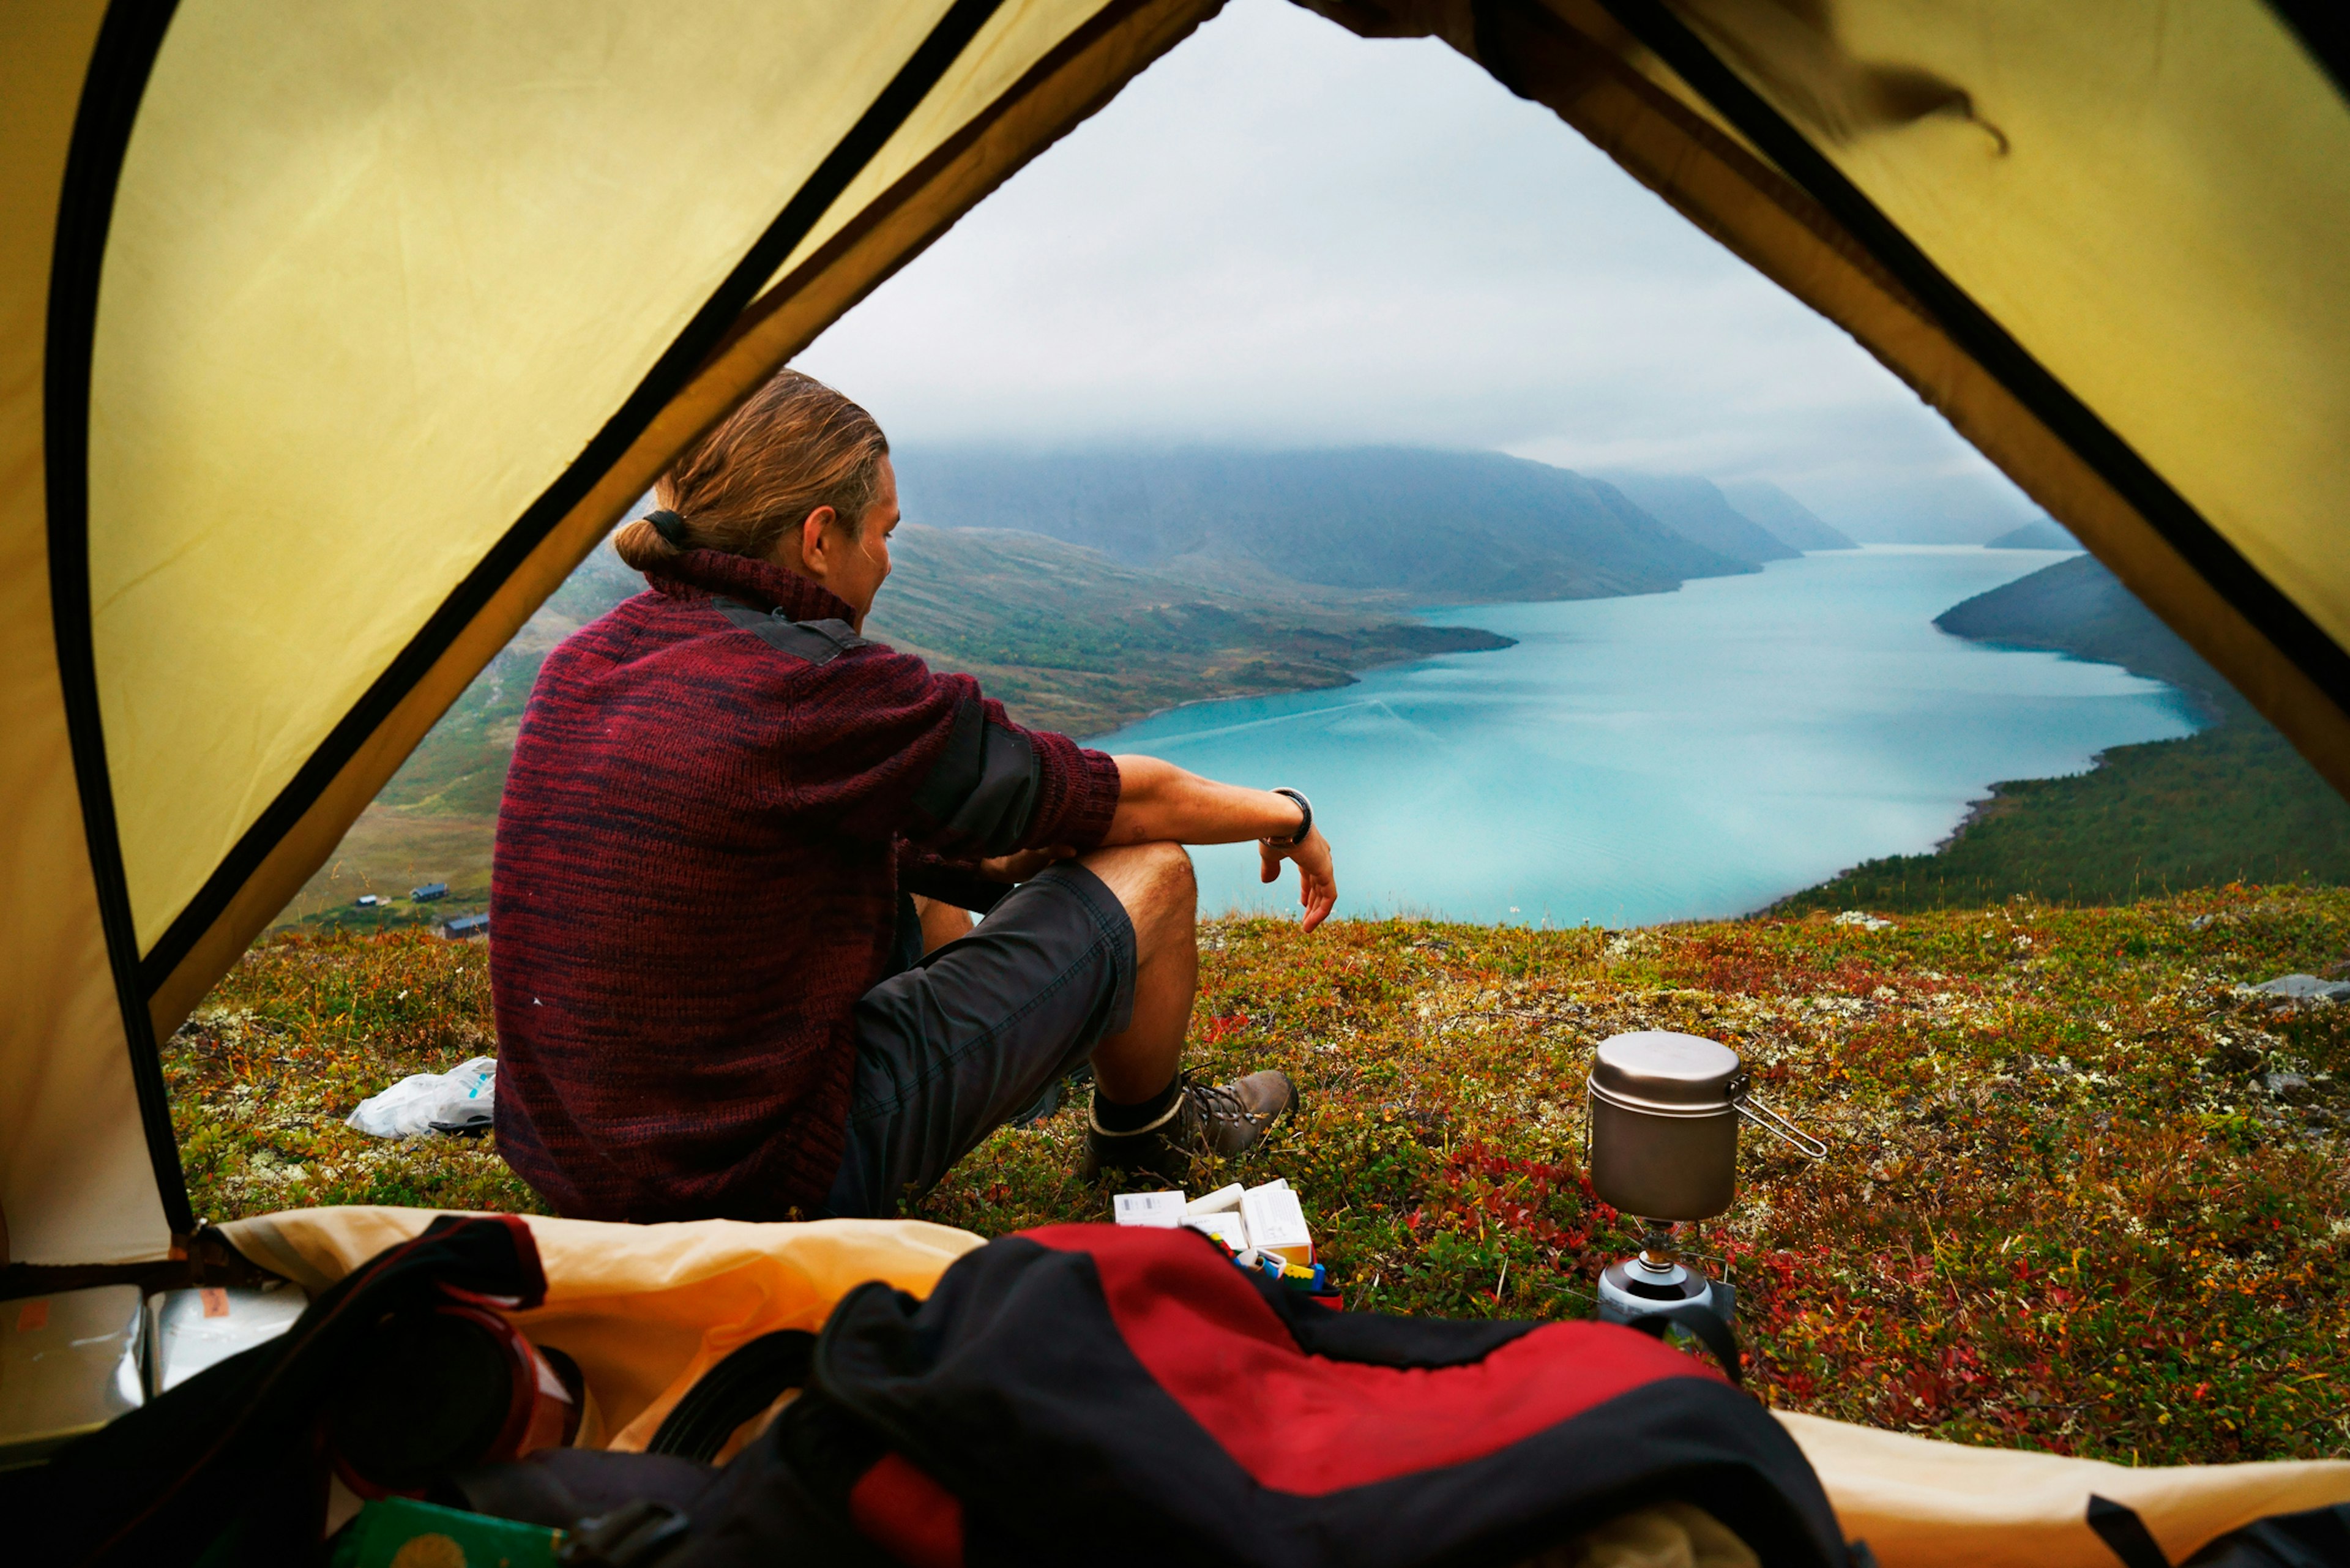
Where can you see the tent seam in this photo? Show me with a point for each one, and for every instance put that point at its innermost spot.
(129, 40)
(2322, 27)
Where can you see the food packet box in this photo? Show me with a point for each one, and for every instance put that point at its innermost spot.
(1222, 1200)
(1159, 1211)
(1277, 1223)
(1224, 1224)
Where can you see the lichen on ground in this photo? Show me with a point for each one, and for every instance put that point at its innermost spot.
(2084, 1192)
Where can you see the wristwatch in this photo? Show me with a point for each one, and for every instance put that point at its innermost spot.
(1304, 827)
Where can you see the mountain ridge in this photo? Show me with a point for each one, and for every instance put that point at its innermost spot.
(2040, 534)
(1692, 507)
(1444, 526)
(1795, 524)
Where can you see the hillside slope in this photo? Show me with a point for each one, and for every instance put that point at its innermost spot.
(1786, 518)
(2040, 534)
(1443, 526)
(1695, 509)
(2234, 803)
(2079, 608)
(1072, 641)
(1066, 637)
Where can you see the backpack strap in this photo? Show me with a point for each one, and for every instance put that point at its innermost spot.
(1711, 1329)
(817, 642)
(750, 1378)
(2125, 1533)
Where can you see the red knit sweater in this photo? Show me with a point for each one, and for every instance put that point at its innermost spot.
(696, 878)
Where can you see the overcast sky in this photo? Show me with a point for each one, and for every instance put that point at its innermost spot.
(1282, 235)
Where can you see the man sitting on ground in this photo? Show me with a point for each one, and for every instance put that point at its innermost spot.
(733, 969)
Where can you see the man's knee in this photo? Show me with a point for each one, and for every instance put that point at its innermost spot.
(1154, 881)
(1172, 872)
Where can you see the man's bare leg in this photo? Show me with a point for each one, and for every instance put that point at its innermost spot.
(941, 923)
(1155, 884)
(1144, 1121)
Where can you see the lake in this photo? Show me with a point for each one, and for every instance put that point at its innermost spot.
(1668, 756)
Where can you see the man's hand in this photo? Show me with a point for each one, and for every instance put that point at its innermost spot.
(1157, 800)
(1018, 867)
(1317, 883)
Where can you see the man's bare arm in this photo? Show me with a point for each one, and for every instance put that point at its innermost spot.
(1157, 800)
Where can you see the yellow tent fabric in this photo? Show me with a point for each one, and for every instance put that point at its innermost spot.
(1920, 1503)
(644, 1309)
(83, 1170)
(647, 1309)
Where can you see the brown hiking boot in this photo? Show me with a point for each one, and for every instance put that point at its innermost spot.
(1221, 1119)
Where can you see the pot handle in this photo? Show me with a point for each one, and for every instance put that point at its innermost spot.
(1777, 1125)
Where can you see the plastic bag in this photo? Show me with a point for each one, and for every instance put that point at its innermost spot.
(461, 1099)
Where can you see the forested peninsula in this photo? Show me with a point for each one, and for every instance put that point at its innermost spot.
(2233, 803)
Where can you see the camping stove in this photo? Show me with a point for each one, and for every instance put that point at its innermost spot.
(1655, 1280)
(1662, 1143)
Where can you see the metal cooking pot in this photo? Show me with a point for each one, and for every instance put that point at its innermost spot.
(1663, 1132)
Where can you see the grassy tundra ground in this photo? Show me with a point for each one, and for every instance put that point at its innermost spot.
(2082, 1195)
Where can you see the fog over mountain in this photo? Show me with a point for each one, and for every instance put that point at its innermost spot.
(1445, 526)
(1793, 523)
(1695, 509)
(1285, 236)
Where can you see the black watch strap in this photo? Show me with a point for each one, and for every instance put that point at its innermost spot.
(1304, 828)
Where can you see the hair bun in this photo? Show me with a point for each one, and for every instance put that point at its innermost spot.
(670, 526)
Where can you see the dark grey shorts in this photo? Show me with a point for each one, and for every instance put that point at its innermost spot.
(969, 1037)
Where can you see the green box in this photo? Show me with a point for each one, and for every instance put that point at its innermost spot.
(400, 1533)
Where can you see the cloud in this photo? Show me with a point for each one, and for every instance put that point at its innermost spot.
(1282, 235)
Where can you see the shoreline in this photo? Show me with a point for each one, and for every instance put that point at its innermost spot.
(400, 844)
(1351, 676)
(1665, 696)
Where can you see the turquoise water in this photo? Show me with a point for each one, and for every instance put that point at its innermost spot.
(1670, 756)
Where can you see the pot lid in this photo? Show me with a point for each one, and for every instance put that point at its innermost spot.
(1658, 1067)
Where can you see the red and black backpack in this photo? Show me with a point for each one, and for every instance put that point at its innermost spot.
(1086, 1393)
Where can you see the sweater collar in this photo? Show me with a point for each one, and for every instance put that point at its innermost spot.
(700, 573)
